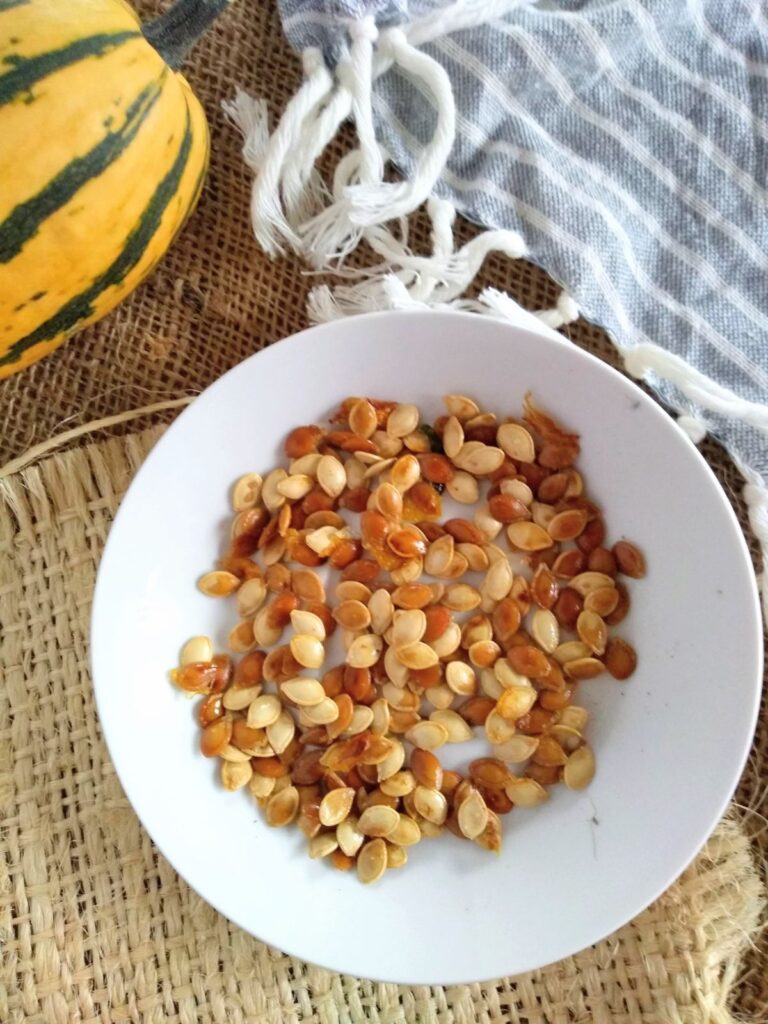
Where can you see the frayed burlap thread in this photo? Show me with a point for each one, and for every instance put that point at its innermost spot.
(95, 925)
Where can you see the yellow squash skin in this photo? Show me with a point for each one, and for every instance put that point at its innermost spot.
(103, 150)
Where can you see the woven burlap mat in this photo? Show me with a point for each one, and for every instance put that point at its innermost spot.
(96, 926)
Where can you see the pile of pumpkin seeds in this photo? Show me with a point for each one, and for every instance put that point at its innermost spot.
(449, 628)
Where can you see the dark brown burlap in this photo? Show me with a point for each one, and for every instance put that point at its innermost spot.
(216, 299)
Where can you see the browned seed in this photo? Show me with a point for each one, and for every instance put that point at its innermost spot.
(620, 658)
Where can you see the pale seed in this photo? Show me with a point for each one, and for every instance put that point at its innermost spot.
(234, 755)
(387, 445)
(392, 763)
(489, 684)
(515, 702)
(349, 837)
(584, 668)
(498, 730)
(381, 610)
(362, 718)
(196, 649)
(477, 559)
(440, 696)
(352, 615)
(263, 711)
(351, 590)
(270, 495)
(457, 729)
(261, 786)
(218, 583)
(281, 731)
(235, 776)
(405, 473)
(322, 845)
(586, 582)
(478, 458)
(354, 471)
(365, 650)
(307, 650)
(461, 678)
(602, 601)
(571, 650)
(528, 536)
(295, 487)
(263, 633)
(498, 580)
(402, 420)
(526, 792)
(331, 475)
(545, 630)
(579, 769)
(238, 700)
(472, 815)
(303, 692)
(246, 492)
(574, 717)
(396, 671)
(516, 441)
(461, 407)
(519, 489)
(427, 735)
(372, 861)
(417, 656)
(463, 487)
(378, 820)
(324, 712)
(592, 631)
(308, 624)
(336, 805)
(362, 418)
(439, 555)
(489, 526)
(517, 749)
(446, 644)
(542, 515)
(431, 804)
(305, 465)
(460, 597)
(398, 784)
(507, 676)
(380, 717)
(407, 831)
(282, 807)
(250, 597)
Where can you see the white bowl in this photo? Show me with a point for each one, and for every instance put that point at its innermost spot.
(670, 742)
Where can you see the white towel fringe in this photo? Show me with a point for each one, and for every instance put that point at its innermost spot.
(292, 208)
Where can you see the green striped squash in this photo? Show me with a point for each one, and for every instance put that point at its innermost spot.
(103, 150)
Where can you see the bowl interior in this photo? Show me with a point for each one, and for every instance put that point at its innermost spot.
(670, 742)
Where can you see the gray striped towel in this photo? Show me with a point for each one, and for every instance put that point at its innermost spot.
(620, 144)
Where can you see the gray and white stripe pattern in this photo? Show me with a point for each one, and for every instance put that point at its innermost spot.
(627, 141)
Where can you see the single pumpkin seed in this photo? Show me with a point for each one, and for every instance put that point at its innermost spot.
(264, 710)
(280, 733)
(270, 495)
(427, 735)
(336, 805)
(218, 583)
(308, 624)
(362, 718)
(372, 861)
(545, 630)
(526, 792)
(406, 832)
(325, 712)
(250, 597)
(588, 581)
(378, 821)
(458, 730)
(235, 775)
(528, 536)
(517, 749)
(307, 650)
(296, 486)
(516, 441)
(461, 678)
(472, 815)
(197, 649)
(417, 656)
(349, 837)
(282, 807)
(303, 692)
(431, 804)
(579, 769)
(322, 845)
(365, 650)
(246, 492)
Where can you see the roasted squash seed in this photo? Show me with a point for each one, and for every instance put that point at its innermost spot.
(351, 758)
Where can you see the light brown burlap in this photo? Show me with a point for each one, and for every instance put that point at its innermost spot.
(96, 926)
